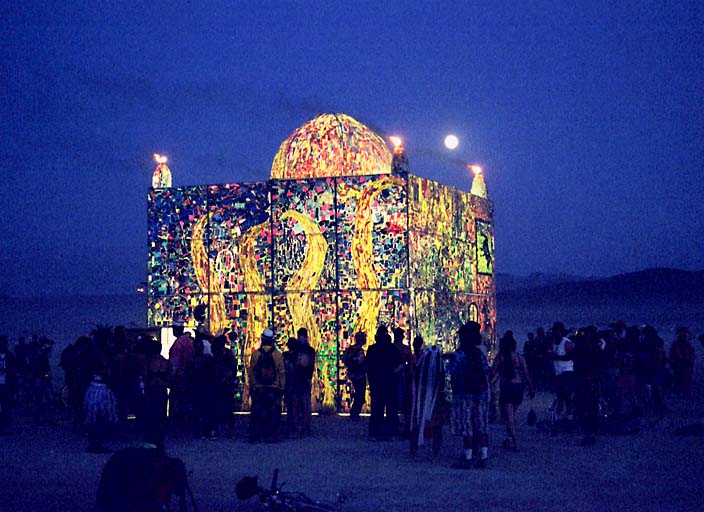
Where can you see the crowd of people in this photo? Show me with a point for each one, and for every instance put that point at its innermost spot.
(111, 377)
(25, 376)
(629, 364)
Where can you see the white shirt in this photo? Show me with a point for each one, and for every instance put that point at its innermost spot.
(561, 350)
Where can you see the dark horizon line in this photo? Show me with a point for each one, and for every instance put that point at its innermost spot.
(555, 274)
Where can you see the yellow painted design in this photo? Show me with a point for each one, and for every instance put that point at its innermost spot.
(299, 301)
(207, 278)
(363, 254)
(257, 311)
(331, 145)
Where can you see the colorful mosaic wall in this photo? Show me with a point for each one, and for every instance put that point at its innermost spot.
(334, 255)
(328, 143)
(443, 229)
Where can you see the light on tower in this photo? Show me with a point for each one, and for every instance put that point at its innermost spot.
(162, 174)
(478, 183)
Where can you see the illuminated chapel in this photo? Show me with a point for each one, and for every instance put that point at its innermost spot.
(341, 238)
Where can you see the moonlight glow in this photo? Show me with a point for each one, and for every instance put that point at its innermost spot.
(451, 141)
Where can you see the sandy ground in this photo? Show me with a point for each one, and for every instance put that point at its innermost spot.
(46, 468)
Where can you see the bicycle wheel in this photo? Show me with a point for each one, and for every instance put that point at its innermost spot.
(299, 502)
(315, 508)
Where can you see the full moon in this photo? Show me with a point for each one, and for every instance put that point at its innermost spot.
(451, 141)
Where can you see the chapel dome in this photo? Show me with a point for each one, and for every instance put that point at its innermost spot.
(331, 145)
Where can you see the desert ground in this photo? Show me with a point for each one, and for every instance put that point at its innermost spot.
(45, 468)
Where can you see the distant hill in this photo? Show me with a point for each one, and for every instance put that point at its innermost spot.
(510, 282)
(648, 286)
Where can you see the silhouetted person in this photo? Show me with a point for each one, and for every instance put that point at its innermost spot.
(531, 356)
(513, 379)
(267, 378)
(653, 361)
(682, 362)
(22, 366)
(125, 375)
(226, 384)
(404, 380)
(42, 387)
(180, 356)
(141, 479)
(200, 374)
(564, 369)
(383, 365)
(356, 364)
(155, 394)
(303, 359)
(544, 355)
(289, 365)
(7, 382)
(589, 359)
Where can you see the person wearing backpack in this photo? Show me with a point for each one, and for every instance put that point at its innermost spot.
(267, 377)
(469, 373)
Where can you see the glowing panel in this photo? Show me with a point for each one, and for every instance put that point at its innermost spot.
(173, 212)
(485, 248)
(169, 267)
(336, 255)
(303, 217)
(372, 233)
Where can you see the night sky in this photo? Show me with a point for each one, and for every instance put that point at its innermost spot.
(588, 121)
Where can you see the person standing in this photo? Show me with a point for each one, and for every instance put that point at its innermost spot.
(7, 379)
(155, 394)
(404, 380)
(430, 409)
(682, 362)
(201, 386)
(564, 369)
(290, 366)
(226, 384)
(303, 359)
(469, 377)
(100, 407)
(267, 378)
(513, 379)
(180, 357)
(589, 360)
(355, 362)
(531, 356)
(383, 364)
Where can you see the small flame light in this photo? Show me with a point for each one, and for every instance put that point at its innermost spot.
(478, 183)
(162, 174)
(396, 141)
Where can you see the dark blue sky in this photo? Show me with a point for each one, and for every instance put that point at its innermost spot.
(589, 120)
